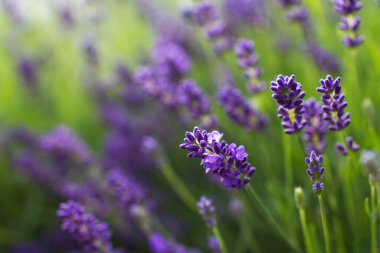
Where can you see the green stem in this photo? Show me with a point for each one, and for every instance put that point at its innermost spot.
(288, 166)
(219, 237)
(180, 188)
(373, 219)
(270, 219)
(305, 231)
(324, 224)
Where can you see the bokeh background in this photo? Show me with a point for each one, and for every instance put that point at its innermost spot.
(71, 65)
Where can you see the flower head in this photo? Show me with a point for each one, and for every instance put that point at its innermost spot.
(207, 211)
(315, 171)
(228, 161)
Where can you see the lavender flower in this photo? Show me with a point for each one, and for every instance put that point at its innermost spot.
(340, 148)
(213, 245)
(315, 128)
(27, 69)
(227, 161)
(239, 110)
(93, 235)
(248, 60)
(349, 23)
(334, 104)
(352, 145)
(204, 15)
(158, 244)
(324, 60)
(207, 211)
(288, 94)
(193, 99)
(245, 12)
(315, 171)
(371, 165)
(288, 3)
(90, 52)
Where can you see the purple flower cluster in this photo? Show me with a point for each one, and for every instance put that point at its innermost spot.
(350, 145)
(245, 12)
(240, 110)
(214, 28)
(349, 23)
(333, 103)
(93, 235)
(248, 60)
(193, 99)
(158, 244)
(227, 161)
(315, 128)
(90, 51)
(324, 60)
(27, 69)
(288, 94)
(315, 171)
(213, 245)
(207, 211)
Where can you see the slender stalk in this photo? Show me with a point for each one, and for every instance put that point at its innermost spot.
(219, 237)
(180, 188)
(288, 165)
(305, 231)
(373, 219)
(324, 224)
(270, 219)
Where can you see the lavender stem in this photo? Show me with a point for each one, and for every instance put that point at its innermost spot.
(373, 218)
(324, 224)
(219, 237)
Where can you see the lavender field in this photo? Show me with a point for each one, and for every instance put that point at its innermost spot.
(190, 126)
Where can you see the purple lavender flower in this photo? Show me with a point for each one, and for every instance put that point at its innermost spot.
(341, 149)
(93, 235)
(158, 244)
(315, 128)
(207, 211)
(352, 145)
(27, 69)
(193, 99)
(288, 94)
(324, 61)
(289, 3)
(315, 171)
(299, 15)
(349, 23)
(62, 144)
(248, 60)
(213, 245)
(227, 161)
(334, 104)
(239, 110)
(90, 52)
(245, 12)
(202, 13)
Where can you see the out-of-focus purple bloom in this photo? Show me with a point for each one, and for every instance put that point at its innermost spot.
(352, 145)
(207, 211)
(90, 51)
(227, 161)
(315, 171)
(299, 15)
(236, 207)
(349, 23)
(193, 99)
(63, 144)
(158, 244)
(245, 12)
(239, 110)
(334, 104)
(213, 245)
(66, 16)
(27, 69)
(288, 94)
(288, 3)
(93, 235)
(13, 11)
(371, 165)
(214, 28)
(324, 60)
(341, 149)
(132, 93)
(248, 60)
(315, 128)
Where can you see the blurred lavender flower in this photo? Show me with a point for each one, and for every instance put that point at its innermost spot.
(236, 208)
(245, 12)
(288, 3)
(371, 165)
(90, 51)
(351, 144)
(315, 171)
(239, 110)
(213, 245)
(288, 94)
(315, 128)
(227, 161)
(66, 16)
(214, 28)
(158, 244)
(324, 60)
(248, 60)
(349, 23)
(27, 69)
(207, 211)
(13, 11)
(341, 149)
(93, 235)
(334, 104)
(131, 93)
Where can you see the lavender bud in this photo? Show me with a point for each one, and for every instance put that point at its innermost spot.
(315, 171)
(299, 197)
(207, 211)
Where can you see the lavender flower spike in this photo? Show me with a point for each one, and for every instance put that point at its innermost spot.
(227, 161)
(334, 104)
(315, 171)
(207, 211)
(288, 94)
(248, 60)
(93, 235)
